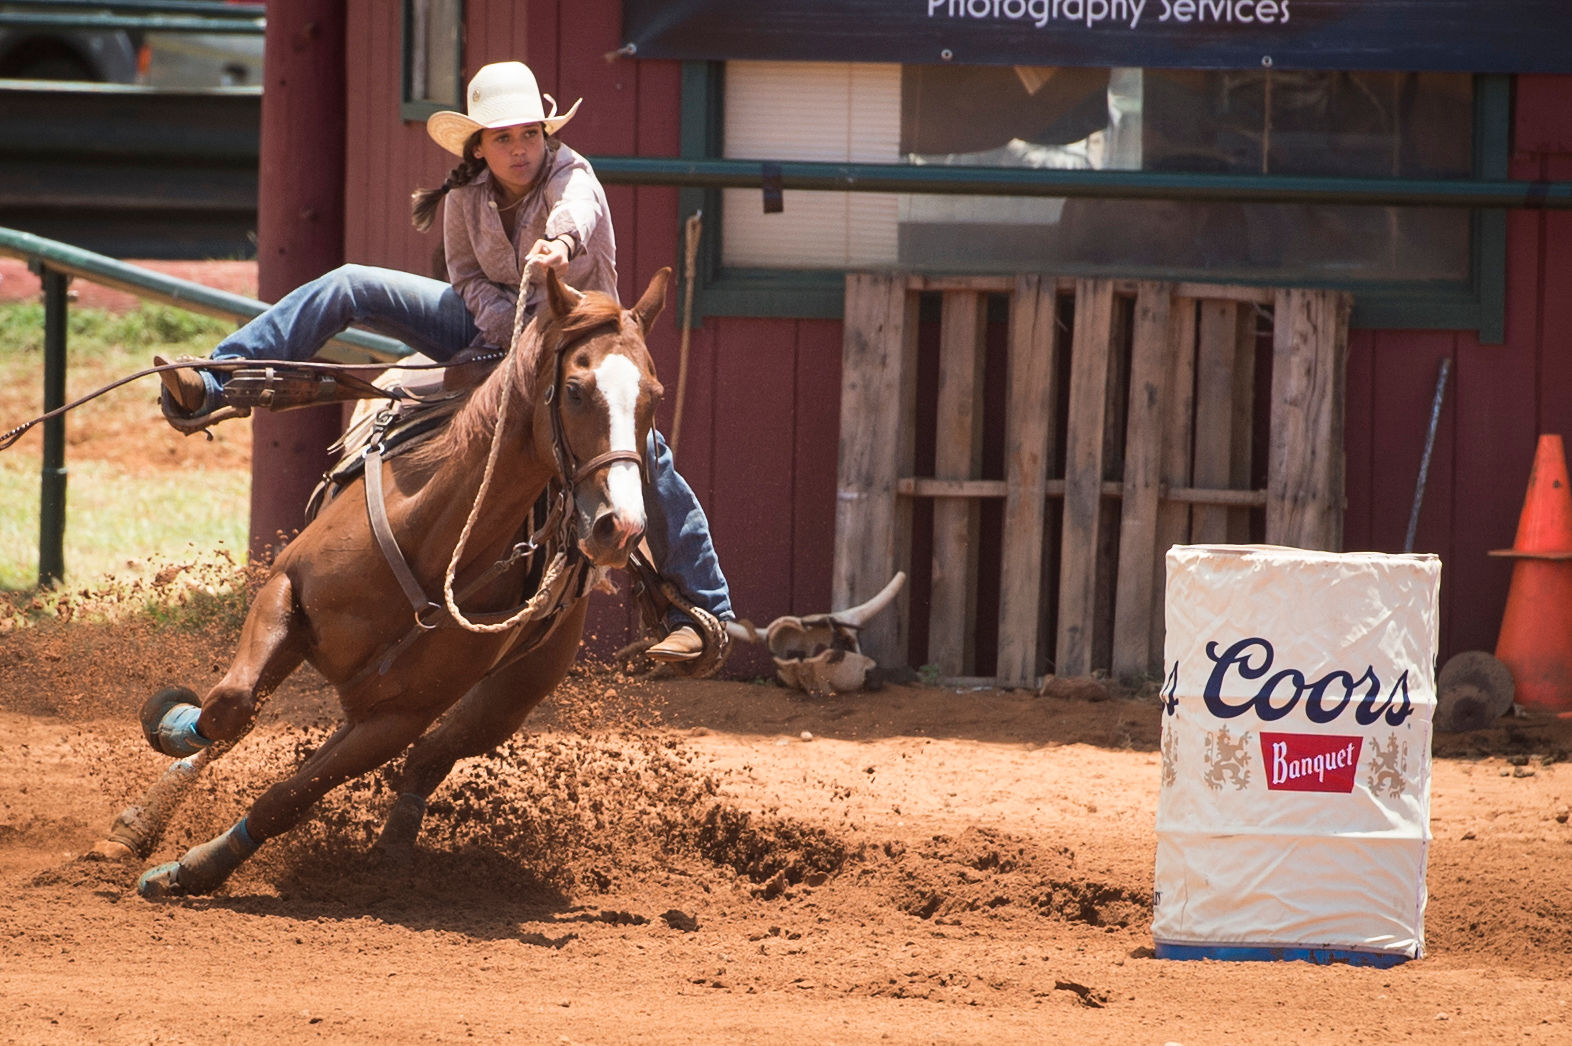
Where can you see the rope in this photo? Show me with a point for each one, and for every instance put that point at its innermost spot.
(554, 570)
(692, 229)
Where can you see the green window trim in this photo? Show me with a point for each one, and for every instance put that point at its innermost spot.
(419, 109)
(1477, 304)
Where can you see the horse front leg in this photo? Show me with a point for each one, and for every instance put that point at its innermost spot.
(351, 751)
(270, 648)
(491, 712)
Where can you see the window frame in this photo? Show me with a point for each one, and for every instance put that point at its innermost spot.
(411, 108)
(1477, 303)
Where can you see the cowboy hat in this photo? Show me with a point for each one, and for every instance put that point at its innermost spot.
(502, 94)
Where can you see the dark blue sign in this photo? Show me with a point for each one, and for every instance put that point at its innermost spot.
(1472, 36)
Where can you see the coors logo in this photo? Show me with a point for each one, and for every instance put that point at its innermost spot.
(1281, 690)
(1310, 762)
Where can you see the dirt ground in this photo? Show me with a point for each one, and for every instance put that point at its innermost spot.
(671, 861)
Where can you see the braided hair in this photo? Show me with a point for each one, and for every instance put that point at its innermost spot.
(424, 201)
(423, 207)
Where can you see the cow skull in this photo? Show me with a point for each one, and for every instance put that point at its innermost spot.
(820, 653)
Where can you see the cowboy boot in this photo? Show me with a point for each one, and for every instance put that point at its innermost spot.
(183, 386)
(683, 644)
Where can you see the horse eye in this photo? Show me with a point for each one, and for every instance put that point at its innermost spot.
(575, 392)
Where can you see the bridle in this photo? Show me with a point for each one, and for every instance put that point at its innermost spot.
(558, 527)
(568, 471)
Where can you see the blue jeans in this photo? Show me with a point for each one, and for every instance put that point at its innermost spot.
(429, 316)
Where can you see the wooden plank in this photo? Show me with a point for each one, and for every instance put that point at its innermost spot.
(1216, 348)
(1090, 349)
(1106, 552)
(1136, 596)
(928, 487)
(918, 282)
(1241, 441)
(1224, 292)
(957, 456)
(1304, 505)
(1173, 517)
(877, 354)
(925, 487)
(1029, 417)
(1203, 496)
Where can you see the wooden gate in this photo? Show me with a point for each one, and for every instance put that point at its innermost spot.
(1138, 415)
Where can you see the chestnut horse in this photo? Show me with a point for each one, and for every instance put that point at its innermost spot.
(569, 408)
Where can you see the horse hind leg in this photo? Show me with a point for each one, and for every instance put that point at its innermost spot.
(137, 829)
(491, 712)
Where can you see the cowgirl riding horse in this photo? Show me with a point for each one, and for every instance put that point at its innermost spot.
(519, 200)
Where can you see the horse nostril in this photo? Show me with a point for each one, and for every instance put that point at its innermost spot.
(611, 531)
(604, 531)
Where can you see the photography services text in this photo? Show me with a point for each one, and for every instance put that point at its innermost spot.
(1116, 13)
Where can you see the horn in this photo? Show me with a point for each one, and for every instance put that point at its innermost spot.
(743, 631)
(860, 615)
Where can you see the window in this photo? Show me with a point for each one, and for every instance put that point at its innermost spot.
(1408, 266)
(433, 57)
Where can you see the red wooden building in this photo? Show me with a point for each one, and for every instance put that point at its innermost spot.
(761, 436)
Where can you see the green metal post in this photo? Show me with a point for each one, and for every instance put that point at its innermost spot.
(52, 499)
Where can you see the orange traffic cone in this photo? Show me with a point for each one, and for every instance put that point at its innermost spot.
(1536, 630)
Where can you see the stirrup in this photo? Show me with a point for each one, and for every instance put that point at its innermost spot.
(191, 424)
(655, 595)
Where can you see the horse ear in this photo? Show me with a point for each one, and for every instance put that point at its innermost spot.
(560, 298)
(654, 299)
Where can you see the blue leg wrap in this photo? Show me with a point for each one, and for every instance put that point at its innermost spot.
(203, 869)
(177, 731)
(240, 840)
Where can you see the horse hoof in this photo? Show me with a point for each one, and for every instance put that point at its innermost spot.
(394, 859)
(161, 882)
(156, 707)
(112, 850)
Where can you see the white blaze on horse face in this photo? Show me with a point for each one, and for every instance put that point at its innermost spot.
(617, 378)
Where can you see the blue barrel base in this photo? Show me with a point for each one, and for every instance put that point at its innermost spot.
(1263, 953)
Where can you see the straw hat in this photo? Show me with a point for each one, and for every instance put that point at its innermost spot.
(500, 95)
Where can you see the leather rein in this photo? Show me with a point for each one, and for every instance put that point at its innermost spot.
(346, 374)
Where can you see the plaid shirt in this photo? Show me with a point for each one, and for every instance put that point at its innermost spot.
(484, 267)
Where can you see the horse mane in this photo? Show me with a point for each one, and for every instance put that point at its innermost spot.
(476, 418)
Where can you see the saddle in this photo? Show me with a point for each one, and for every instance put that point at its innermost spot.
(424, 405)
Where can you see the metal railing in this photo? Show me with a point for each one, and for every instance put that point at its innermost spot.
(1108, 185)
(56, 264)
(174, 16)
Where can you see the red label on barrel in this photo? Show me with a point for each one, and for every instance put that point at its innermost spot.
(1310, 762)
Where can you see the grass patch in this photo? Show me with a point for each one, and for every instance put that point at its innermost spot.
(117, 522)
(137, 493)
(98, 332)
(209, 592)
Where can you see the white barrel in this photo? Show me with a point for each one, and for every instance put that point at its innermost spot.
(1293, 818)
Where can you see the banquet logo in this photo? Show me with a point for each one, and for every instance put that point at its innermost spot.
(1325, 699)
(1310, 762)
